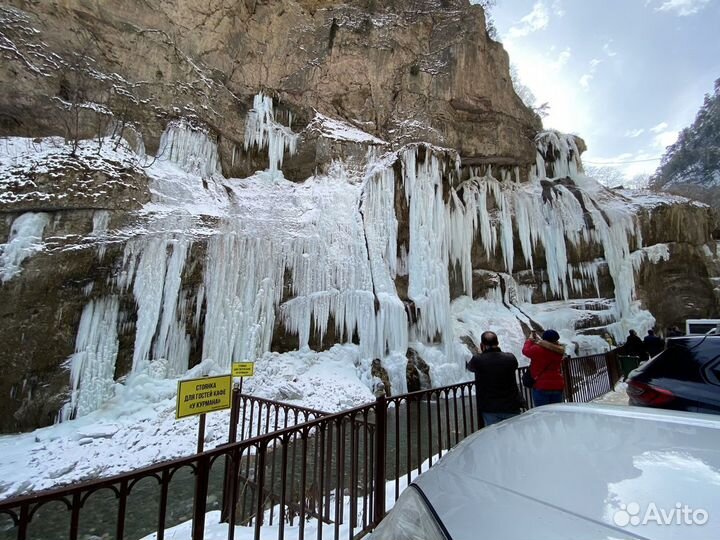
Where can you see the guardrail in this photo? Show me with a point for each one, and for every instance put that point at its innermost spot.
(329, 475)
(589, 377)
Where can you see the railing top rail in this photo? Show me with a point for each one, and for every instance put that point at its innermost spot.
(285, 405)
(153, 470)
(430, 391)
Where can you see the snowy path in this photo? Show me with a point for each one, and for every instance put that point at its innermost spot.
(616, 397)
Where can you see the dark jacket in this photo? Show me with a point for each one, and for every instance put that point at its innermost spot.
(545, 364)
(495, 382)
(653, 345)
(634, 346)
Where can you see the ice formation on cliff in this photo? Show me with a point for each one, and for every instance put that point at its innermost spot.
(262, 131)
(324, 256)
(25, 238)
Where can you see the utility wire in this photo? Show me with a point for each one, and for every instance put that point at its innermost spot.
(620, 162)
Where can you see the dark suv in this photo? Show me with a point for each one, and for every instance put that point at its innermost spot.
(684, 377)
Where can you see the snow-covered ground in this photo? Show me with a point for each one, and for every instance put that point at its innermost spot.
(137, 426)
(617, 397)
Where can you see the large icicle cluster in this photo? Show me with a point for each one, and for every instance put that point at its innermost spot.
(429, 284)
(553, 217)
(25, 239)
(323, 256)
(190, 147)
(92, 366)
(381, 231)
(262, 131)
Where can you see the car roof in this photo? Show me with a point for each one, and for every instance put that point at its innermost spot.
(565, 471)
(695, 337)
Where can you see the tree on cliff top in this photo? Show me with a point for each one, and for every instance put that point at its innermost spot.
(695, 157)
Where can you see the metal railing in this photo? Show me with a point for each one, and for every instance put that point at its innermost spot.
(316, 475)
(589, 377)
(257, 416)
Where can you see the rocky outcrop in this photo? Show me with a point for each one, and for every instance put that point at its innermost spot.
(403, 71)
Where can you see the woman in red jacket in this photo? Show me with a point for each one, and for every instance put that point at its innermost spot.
(546, 356)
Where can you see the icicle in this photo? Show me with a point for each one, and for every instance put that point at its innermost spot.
(92, 366)
(262, 131)
(25, 239)
(189, 147)
(156, 289)
(380, 222)
(101, 220)
(428, 256)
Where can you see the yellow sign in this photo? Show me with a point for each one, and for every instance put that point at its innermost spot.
(198, 396)
(243, 369)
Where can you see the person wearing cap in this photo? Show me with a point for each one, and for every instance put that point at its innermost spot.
(546, 356)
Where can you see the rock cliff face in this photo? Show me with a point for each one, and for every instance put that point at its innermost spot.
(403, 71)
(221, 180)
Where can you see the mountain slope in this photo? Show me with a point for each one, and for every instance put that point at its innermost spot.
(691, 166)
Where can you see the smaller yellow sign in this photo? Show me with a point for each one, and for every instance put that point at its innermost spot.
(243, 369)
(204, 395)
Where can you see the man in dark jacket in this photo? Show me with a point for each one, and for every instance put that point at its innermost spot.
(634, 346)
(653, 344)
(496, 387)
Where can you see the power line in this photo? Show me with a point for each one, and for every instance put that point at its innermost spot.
(620, 162)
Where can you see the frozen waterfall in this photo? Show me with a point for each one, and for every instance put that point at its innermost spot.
(325, 256)
(262, 131)
(25, 239)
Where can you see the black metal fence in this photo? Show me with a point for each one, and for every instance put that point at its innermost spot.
(316, 475)
(589, 377)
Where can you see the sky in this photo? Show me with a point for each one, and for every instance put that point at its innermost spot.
(626, 75)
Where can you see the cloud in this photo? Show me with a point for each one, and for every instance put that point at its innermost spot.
(590, 75)
(558, 8)
(608, 49)
(665, 138)
(562, 59)
(585, 81)
(634, 133)
(683, 8)
(536, 20)
(629, 164)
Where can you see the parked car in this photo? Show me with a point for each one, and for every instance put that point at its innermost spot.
(684, 377)
(570, 471)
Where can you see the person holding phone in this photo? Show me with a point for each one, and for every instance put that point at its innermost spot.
(496, 389)
(546, 353)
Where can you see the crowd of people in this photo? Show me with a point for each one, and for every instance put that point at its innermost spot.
(648, 347)
(496, 388)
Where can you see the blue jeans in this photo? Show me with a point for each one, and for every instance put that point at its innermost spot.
(545, 397)
(491, 418)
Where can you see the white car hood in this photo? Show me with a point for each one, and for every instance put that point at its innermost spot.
(570, 471)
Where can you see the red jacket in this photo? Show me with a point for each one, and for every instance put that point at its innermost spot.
(545, 364)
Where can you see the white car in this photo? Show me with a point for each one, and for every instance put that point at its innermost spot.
(576, 472)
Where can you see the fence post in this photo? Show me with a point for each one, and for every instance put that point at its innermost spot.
(202, 473)
(613, 368)
(227, 499)
(568, 379)
(380, 457)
